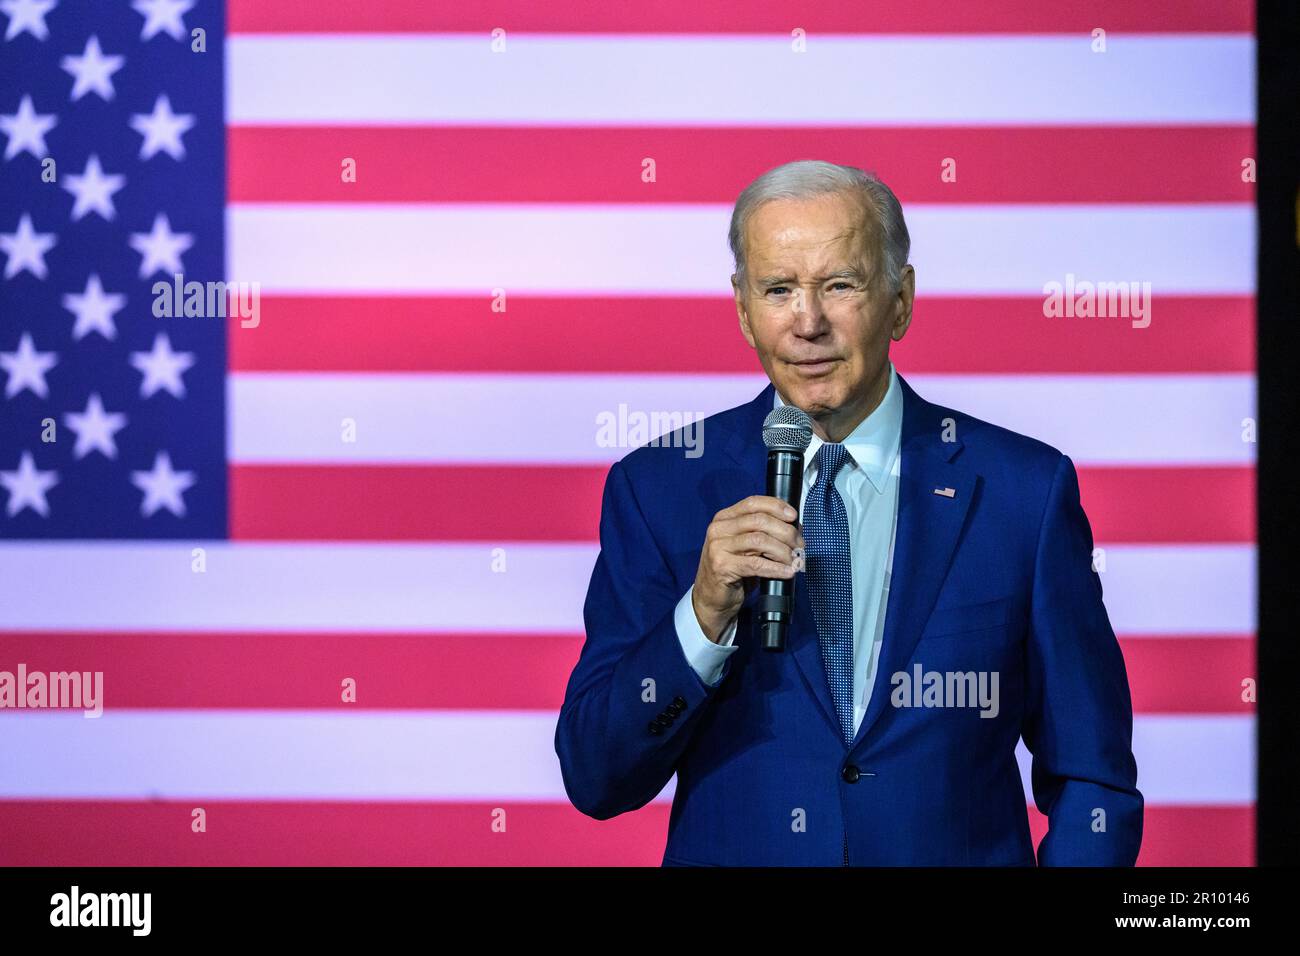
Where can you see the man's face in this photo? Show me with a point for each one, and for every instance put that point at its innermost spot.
(818, 309)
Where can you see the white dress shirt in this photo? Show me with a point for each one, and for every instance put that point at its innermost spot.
(868, 483)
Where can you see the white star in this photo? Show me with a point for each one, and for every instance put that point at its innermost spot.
(164, 15)
(27, 15)
(94, 190)
(162, 129)
(94, 309)
(26, 249)
(95, 428)
(27, 368)
(27, 487)
(26, 130)
(162, 487)
(92, 70)
(161, 248)
(162, 367)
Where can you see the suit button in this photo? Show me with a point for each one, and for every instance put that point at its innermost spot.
(656, 727)
(673, 710)
(850, 774)
(679, 703)
(666, 718)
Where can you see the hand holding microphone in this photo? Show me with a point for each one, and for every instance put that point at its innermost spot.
(758, 538)
(754, 538)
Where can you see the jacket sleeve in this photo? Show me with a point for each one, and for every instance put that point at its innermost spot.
(1078, 721)
(633, 698)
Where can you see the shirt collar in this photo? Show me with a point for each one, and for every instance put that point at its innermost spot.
(873, 445)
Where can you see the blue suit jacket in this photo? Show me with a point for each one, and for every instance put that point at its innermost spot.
(997, 577)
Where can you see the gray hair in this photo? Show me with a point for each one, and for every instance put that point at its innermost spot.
(805, 178)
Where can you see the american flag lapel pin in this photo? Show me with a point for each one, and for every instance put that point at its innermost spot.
(946, 492)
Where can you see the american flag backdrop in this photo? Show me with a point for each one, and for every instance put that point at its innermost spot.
(331, 563)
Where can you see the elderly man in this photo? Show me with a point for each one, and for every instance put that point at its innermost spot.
(945, 603)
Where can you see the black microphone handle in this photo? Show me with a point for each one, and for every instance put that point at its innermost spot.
(776, 595)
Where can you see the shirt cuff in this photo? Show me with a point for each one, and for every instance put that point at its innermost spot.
(706, 658)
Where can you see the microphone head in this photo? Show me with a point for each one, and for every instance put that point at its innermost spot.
(787, 428)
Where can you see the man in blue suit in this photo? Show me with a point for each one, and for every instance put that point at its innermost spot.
(945, 601)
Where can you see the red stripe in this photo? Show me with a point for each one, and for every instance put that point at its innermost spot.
(499, 502)
(1008, 335)
(158, 833)
(277, 671)
(1186, 836)
(490, 164)
(1169, 505)
(409, 502)
(1191, 675)
(721, 16)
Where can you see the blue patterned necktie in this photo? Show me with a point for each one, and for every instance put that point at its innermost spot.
(829, 574)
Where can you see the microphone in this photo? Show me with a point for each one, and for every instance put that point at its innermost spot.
(787, 432)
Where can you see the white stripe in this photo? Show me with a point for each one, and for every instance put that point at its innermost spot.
(111, 586)
(375, 755)
(441, 755)
(1179, 590)
(1158, 419)
(740, 80)
(681, 249)
(102, 585)
(1185, 760)
(562, 419)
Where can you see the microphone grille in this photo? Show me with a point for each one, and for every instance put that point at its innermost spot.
(787, 428)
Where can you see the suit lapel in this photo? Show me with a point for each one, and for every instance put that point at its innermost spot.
(929, 525)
